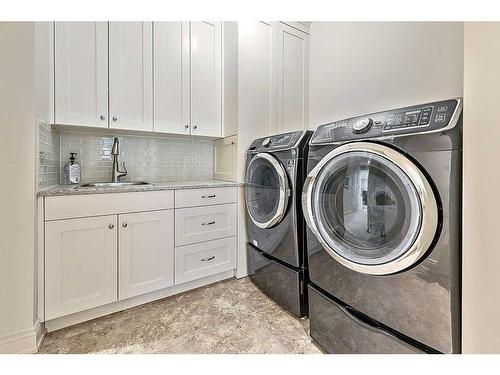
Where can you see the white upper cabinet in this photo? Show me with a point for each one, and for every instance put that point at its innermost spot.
(81, 73)
(171, 77)
(131, 75)
(273, 74)
(292, 79)
(256, 80)
(163, 77)
(206, 78)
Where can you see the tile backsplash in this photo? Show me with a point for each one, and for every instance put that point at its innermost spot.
(147, 158)
(48, 155)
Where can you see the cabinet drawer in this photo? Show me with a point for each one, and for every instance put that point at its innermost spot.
(204, 259)
(72, 206)
(204, 197)
(200, 224)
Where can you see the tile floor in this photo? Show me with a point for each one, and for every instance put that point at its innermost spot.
(231, 316)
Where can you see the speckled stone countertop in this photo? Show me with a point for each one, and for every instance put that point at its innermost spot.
(59, 190)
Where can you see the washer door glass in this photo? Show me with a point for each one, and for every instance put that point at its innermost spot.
(366, 208)
(266, 190)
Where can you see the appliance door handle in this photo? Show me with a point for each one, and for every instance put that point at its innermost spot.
(375, 327)
(363, 320)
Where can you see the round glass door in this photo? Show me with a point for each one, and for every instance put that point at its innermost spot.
(266, 190)
(371, 208)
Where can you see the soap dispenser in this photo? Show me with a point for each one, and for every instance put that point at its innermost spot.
(72, 170)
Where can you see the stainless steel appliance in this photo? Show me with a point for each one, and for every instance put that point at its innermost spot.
(382, 201)
(277, 258)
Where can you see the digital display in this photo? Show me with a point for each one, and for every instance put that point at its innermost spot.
(400, 120)
(407, 118)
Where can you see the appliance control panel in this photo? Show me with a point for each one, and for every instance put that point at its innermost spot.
(410, 120)
(276, 142)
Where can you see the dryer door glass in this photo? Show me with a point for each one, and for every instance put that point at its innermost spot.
(266, 190)
(367, 209)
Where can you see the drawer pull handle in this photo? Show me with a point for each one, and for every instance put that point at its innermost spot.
(208, 196)
(208, 259)
(208, 223)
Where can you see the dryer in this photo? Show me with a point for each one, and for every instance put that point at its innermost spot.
(277, 259)
(382, 201)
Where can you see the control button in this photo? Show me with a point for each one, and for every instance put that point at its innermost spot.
(266, 142)
(442, 109)
(441, 117)
(426, 116)
(362, 125)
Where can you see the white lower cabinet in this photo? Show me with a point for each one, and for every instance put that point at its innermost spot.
(204, 259)
(146, 252)
(133, 244)
(80, 264)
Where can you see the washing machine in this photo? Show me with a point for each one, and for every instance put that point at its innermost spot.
(277, 259)
(382, 201)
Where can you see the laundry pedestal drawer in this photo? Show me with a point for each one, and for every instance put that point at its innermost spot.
(207, 223)
(338, 331)
(204, 259)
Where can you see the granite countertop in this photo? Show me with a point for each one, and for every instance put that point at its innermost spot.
(59, 190)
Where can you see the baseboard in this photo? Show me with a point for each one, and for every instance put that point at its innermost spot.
(23, 342)
(40, 332)
(82, 316)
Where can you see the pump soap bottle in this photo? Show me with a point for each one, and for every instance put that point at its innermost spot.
(72, 170)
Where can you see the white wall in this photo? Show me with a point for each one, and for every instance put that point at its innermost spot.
(17, 190)
(481, 245)
(358, 68)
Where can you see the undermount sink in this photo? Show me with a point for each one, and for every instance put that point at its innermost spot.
(112, 184)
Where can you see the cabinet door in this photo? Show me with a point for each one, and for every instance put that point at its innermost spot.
(206, 78)
(293, 79)
(171, 77)
(256, 81)
(80, 264)
(226, 158)
(146, 252)
(131, 75)
(81, 73)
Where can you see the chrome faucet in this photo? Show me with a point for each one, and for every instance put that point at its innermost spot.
(116, 173)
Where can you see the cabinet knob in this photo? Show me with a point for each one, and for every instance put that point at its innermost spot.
(115, 118)
(111, 226)
(195, 127)
(103, 117)
(124, 224)
(186, 126)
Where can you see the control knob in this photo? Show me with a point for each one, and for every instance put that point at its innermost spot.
(362, 125)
